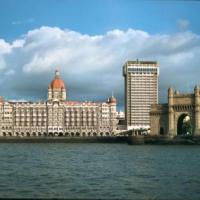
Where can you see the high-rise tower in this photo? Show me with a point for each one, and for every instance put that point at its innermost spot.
(141, 90)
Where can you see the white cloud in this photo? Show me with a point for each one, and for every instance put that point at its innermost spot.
(20, 22)
(16, 22)
(10, 72)
(183, 23)
(4, 47)
(92, 65)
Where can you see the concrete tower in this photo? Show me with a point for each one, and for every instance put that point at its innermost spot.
(141, 91)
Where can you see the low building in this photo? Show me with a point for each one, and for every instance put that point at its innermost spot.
(121, 127)
(58, 116)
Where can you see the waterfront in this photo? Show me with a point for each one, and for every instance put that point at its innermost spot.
(99, 171)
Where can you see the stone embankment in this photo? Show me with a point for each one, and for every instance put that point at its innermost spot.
(131, 140)
(92, 139)
(163, 140)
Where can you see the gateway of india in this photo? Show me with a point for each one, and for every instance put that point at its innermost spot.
(58, 116)
(168, 119)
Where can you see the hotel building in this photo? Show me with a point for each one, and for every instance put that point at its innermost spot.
(58, 116)
(141, 90)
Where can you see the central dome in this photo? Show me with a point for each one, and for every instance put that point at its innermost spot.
(57, 83)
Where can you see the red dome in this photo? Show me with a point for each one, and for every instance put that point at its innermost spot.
(57, 84)
(112, 100)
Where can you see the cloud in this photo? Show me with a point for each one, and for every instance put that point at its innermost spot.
(20, 22)
(183, 23)
(91, 65)
(16, 22)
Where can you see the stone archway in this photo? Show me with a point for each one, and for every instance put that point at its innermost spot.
(184, 124)
(170, 116)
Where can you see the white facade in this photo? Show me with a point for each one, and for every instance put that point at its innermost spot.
(57, 116)
(141, 90)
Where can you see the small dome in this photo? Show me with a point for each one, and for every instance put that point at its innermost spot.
(112, 100)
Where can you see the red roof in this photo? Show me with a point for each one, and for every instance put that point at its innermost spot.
(80, 103)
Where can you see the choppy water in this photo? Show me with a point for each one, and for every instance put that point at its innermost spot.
(99, 171)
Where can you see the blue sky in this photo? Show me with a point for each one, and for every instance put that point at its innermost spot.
(96, 16)
(90, 40)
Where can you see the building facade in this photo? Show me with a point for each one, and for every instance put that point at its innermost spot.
(168, 119)
(58, 116)
(141, 90)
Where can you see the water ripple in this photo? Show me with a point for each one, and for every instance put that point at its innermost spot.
(89, 171)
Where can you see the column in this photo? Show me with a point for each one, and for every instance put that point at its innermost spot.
(171, 130)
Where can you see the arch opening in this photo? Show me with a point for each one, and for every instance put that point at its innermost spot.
(162, 131)
(50, 134)
(60, 134)
(184, 125)
(107, 134)
(67, 134)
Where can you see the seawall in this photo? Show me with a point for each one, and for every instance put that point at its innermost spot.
(164, 140)
(131, 140)
(109, 139)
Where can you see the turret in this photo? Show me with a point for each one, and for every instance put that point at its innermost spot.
(63, 94)
(170, 111)
(170, 96)
(176, 92)
(112, 101)
(197, 110)
(196, 90)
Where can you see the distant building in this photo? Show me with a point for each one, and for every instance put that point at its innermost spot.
(58, 116)
(141, 90)
(121, 122)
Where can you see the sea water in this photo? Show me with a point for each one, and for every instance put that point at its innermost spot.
(106, 171)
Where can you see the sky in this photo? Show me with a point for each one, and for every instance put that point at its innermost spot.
(90, 40)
